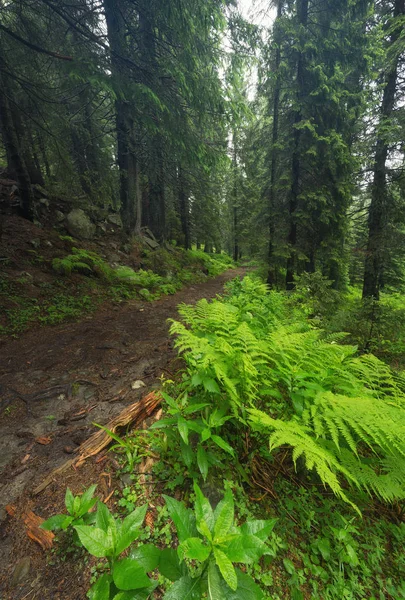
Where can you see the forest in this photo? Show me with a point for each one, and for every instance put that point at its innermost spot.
(202, 310)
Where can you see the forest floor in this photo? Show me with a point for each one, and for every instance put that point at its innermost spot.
(55, 382)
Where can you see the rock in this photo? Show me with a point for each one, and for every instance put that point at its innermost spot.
(48, 244)
(136, 385)
(151, 243)
(21, 571)
(59, 216)
(45, 202)
(39, 190)
(79, 225)
(115, 219)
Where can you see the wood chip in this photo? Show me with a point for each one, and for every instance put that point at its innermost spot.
(44, 441)
(32, 523)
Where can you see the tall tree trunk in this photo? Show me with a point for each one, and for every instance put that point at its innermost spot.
(156, 170)
(378, 206)
(15, 157)
(302, 14)
(184, 210)
(235, 199)
(273, 166)
(130, 192)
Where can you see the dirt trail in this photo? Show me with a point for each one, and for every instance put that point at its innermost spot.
(56, 381)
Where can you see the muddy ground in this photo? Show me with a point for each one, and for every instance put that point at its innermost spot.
(54, 383)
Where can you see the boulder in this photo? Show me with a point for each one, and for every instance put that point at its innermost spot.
(59, 216)
(115, 219)
(79, 225)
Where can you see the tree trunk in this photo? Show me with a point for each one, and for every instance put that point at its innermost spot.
(156, 170)
(15, 157)
(235, 199)
(302, 13)
(184, 211)
(130, 193)
(378, 206)
(276, 103)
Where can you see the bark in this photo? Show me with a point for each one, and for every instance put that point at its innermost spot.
(157, 201)
(184, 210)
(302, 12)
(375, 245)
(130, 192)
(235, 207)
(273, 166)
(13, 151)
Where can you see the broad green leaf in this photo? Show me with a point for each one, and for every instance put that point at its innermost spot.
(247, 589)
(146, 555)
(196, 380)
(170, 566)
(324, 548)
(101, 589)
(215, 587)
(194, 549)
(57, 522)
(170, 401)
(128, 574)
(211, 385)
(259, 528)
(141, 594)
(202, 462)
(205, 434)
(69, 501)
(94, 539)
(195, 408)
(222, 444)
(130, 528)
(103, 516)
(182, 517)
(186, 453)
(245, 549)
(226, 568)
(224, 515)
(183, 429)
(76, 506)
(185, 588)
(202, 508)
(289, 566)
(87, 501)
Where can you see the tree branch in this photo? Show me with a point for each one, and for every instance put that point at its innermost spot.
(33, 46)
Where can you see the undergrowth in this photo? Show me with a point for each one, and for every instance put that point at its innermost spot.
(300, 431)
(164, 272)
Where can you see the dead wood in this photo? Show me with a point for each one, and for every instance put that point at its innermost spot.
(132, 415)
(32, 524)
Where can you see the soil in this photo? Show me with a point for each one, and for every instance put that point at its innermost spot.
(54, 383)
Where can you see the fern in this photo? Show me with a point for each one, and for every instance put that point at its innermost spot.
(343, 413)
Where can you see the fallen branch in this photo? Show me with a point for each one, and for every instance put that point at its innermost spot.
(133, 414)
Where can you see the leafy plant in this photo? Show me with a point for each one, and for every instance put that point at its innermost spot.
(78, 511)
(127, 445)
(342, 414)
(209, 545)
(109, 538)
(188, 419)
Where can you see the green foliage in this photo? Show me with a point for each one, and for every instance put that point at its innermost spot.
(78, 512)
(127, 445)
(343, 414)
(209, 545)
(195, 426)
(82, 261)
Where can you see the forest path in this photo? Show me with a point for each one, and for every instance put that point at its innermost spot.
(56, 381)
